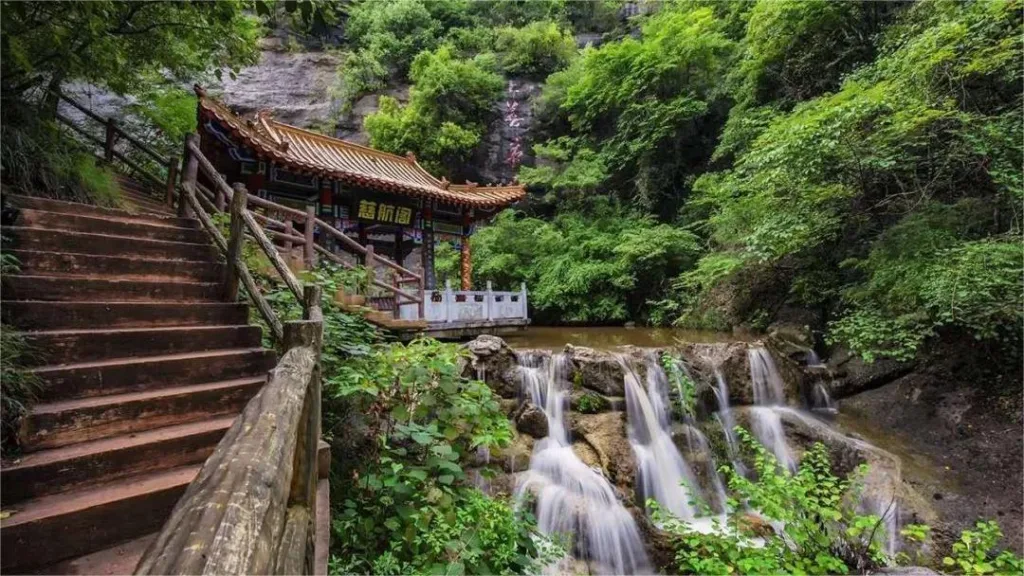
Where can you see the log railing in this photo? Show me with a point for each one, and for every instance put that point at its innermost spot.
(112, 135)
(252, 507)
(278, 223)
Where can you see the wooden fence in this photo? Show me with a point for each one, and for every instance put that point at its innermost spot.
(114, 134)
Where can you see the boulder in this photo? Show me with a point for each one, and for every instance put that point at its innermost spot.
(532, 420)
(882, 485)
(516, 456)
(606, 434)
(708, 361)
(599, 371)
(793, 341)
(494, 362)
(853, 375)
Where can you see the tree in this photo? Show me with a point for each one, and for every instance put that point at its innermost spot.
(121, 46)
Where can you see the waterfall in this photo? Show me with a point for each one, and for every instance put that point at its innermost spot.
(571, 497)
(662, 472)
(821, 401)
(768, 395)
(728, 423)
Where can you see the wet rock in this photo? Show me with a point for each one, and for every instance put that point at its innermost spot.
(882, 484)
(606, 434)
(853, 375)
(586, 453)
(907, 571)
(516, 456)
(599, 371)
(531, 420)
(791, 340)
(727, 359)
(494, 362)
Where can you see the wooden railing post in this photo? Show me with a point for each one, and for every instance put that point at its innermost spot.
(218, 198)
(397, 312)
(235, 242)
(189, 176)
(368, 259)
(172, 179)
(308, 251)
(289, 229)
(421, 307)
(108, 147)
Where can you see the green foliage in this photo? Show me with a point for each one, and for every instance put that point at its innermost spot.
(597, 267)
(888, 178)
(448, 109)
(169, 113)
(18, 388)
(590, 403)
(536, 49)
(634, 104)
(821, 533)
(121, 45)
(973, 552)
(681, 385)
(409, 509)
(447, 260)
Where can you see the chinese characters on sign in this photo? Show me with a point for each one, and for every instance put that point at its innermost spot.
(380, 212)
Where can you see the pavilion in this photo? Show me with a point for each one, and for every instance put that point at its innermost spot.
(377, 198)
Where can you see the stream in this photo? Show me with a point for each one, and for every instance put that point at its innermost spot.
(672, 459)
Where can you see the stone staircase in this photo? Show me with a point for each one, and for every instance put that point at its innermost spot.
(143, 370)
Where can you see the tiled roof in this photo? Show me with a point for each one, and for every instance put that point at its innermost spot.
(311, 152)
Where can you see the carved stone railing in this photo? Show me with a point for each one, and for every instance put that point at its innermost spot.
(252, 508)
(452, 306)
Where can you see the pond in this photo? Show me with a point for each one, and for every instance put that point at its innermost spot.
(605, 337)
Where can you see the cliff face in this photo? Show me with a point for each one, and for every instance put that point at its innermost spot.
(297, 86)
(294, 84)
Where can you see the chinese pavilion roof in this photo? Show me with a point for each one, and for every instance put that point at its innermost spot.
(309, 152)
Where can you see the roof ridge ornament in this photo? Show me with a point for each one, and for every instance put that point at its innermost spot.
(199, 90)
(410, 156)
(445, 183)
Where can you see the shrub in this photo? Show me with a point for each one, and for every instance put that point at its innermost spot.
(973, 553)
(535, 50)
(18, 388)
(805, 521)
(409, 508)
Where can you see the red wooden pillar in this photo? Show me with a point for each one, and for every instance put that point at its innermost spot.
(466, 263)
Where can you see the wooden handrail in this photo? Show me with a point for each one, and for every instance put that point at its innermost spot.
(266, 312)
(113, 133)
(405, 275)
(252, 505)
(160, 159)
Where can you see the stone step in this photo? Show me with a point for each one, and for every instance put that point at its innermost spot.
(46, 240)
(53, 528)
(63, 288)
(63, 346)
(43, 315)
(57, 424)
(145, 203)
(117, 559)
(121, 375)
(75, 208)
(97, 461)
(92, 265)
(116, 225)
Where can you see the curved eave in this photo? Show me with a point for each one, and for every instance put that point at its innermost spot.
(266, 151)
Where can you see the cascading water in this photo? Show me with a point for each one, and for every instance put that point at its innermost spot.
(662, 473)
(768, 395)
(728, 422)
(571, 497)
